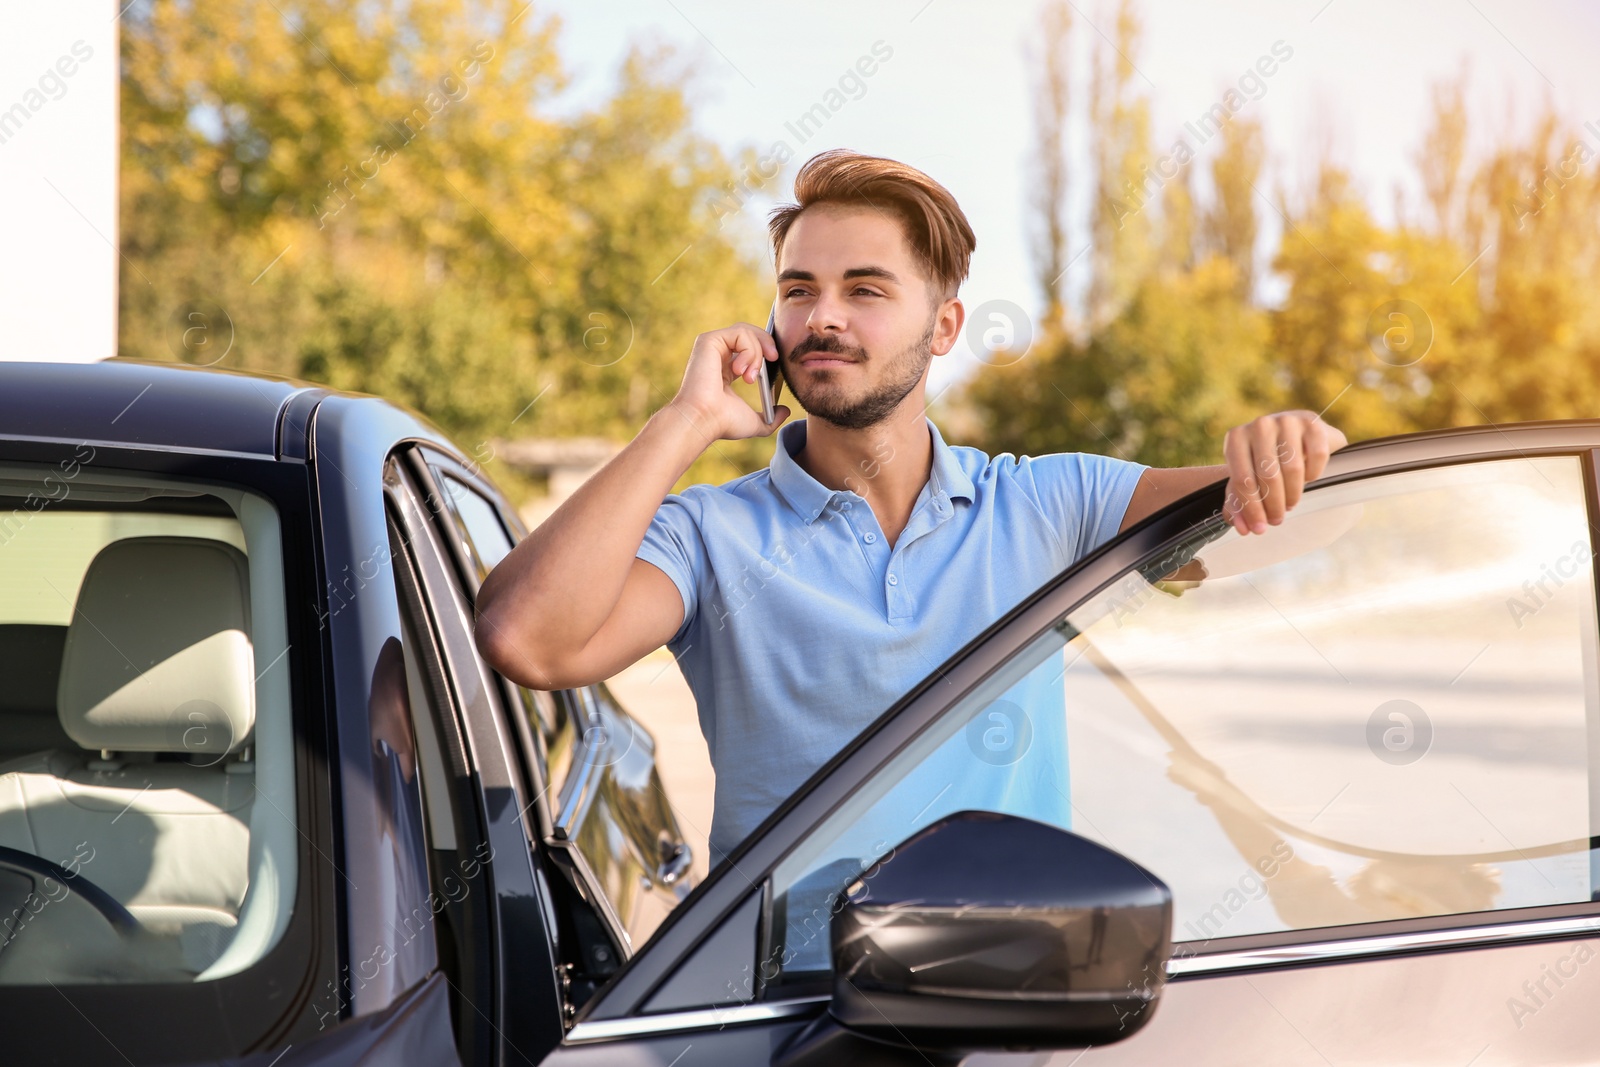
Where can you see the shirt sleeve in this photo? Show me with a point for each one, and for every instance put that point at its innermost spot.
(1083, 496)
(673, 543)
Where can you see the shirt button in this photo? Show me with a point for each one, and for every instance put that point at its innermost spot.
(893, 580)
(845, 506)
(870, 538)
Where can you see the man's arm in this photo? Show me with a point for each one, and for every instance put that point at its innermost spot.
(572, 605)
(1269, 462)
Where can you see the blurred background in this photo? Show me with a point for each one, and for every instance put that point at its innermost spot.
(515, 217)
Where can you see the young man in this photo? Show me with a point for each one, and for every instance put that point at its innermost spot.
(804, 599)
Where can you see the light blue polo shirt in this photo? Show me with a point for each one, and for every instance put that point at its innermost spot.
(802, 625)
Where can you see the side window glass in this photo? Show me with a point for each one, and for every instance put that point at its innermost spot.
(429, 757)
(609, 804)
(148, 828)
(482, 534)
(485, 542)
(1379, 710)
(613, 811)
(550, 719)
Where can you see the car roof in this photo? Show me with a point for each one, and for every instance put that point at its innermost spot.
(152, 404)
(147, 404)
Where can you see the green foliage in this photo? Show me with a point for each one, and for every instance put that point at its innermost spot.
(1478, 310)
(1160, 384)
(376, 196)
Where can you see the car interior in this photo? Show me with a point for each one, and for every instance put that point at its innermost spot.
(146, 758)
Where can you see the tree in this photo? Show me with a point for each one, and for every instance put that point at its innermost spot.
(1442, 158)
(1119, 120)
(1230, 224)
(375, 196)
(1048, 196)
(1478, 309)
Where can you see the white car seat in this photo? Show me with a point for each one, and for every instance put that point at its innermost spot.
(157, 660)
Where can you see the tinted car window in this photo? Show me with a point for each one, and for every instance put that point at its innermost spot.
(606, 792)
(485, 542)
(147, 811)
(1376, 711)
(483, 535)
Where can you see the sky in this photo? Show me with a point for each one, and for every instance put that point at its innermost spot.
(953, 99)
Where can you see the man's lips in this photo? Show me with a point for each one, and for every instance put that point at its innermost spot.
(826, 359)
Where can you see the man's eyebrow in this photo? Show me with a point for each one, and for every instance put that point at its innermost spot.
(872, 272)
(792, 275)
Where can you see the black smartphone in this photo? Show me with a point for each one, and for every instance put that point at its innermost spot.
(771, 373)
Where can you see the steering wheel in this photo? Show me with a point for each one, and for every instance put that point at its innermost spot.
(37, 867)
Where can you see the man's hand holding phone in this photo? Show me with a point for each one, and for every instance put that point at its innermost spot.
(716, 361)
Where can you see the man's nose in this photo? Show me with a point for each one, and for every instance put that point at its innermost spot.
(828, 316)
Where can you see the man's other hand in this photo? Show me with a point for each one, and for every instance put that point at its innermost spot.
(1270, 460)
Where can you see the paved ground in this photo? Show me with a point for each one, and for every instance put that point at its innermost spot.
(654, 692)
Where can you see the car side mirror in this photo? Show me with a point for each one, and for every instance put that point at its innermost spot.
(988, 931)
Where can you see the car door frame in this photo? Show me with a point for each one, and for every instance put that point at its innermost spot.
(617, 1011)
(351, 441)
(519, 914)
(423, 462)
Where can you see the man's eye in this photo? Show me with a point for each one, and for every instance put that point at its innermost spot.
(869, 292)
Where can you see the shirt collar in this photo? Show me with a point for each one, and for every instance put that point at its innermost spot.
(810, 497)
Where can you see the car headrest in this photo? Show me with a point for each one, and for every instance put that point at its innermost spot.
(158, 655)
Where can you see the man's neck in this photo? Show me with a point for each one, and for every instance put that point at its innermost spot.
(886, 464)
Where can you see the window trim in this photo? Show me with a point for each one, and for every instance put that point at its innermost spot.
(525, 978)
(597, 1030)
(1454, 936)
(421, 463)
(1179, 968)
(475, 965)
(754, 859)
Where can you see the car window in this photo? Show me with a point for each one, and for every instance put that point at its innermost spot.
(147, 794)
(483, 535)
(485, 541)
(1378, 710)
(608, 805)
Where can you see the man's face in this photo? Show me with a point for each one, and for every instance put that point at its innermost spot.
(856, 317)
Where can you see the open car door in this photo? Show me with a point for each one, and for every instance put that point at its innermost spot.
(1352, 759)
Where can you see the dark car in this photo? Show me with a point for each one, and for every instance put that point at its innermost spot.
(1322, 795)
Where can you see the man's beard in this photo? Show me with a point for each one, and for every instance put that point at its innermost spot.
(825, 400)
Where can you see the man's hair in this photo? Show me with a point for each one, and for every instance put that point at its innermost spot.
(941, 239)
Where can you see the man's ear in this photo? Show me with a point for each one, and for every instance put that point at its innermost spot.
(948, 321)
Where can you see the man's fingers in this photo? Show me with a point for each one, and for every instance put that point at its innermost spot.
(744, 346)
(1242, 505)
(1269, 471)
(749, 352)
(1270, 462)
(1292, 458)
(1316, 449)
